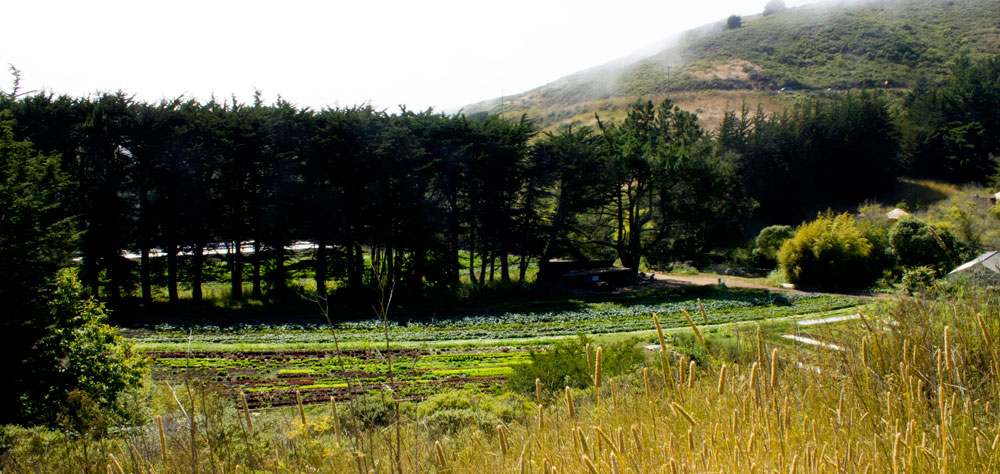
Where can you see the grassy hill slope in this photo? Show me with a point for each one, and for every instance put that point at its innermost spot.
(811, 48)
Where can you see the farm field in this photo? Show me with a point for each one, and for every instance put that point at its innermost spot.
(270, 363)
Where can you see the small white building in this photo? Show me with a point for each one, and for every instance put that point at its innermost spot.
(987, 264)
(896, 213)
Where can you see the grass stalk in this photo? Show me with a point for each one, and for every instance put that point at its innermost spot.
(695, 329)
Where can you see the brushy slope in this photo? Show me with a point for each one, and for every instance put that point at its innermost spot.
(842, 47)
(829, 45)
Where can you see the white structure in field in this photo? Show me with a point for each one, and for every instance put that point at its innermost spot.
(896, 213)
(987, 264)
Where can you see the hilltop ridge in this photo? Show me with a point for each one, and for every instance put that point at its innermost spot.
(819, 47)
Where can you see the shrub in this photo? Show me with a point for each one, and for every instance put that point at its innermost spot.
(830, 252)
(917, 279)
(455, 410)
(373, 409)
(776, 278)
(769, 241)
(81, 366)
(683, 268)
(565, 364)
(734, 22)
(774, 6)
(975, 226)
(18, 443)
(917, 244)
(881, 261)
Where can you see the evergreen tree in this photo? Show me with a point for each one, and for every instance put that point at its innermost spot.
(58, 349)
(952, 131)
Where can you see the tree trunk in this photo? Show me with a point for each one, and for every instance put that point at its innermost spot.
(147, 292)
(197, 264)
(90, 276)
(453, 264)
(390, 266)
(236, 271)
(634, 242)
(482, 265)
(493, 263)
(359, 265)
(279, 278)
(354, 267)
(114, 277)
(172, 272)
(146, 287)
(557, 223)
(472, 253)
(504, 263)
(419, 257)
(523, 268)
(319, 268)
(620, 242)
(256, 293)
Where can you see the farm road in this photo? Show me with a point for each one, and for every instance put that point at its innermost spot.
(667, 280)
(706, 280)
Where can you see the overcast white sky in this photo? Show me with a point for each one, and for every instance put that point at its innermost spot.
(441, 53)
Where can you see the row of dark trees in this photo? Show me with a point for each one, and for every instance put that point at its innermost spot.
(180, 175)
(404, 198)
(418, 198)
(410, 190)
(952, 131)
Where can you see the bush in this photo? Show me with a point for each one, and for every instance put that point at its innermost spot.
(917, 244)
(769, 241)
(881, 262)
(917, 279)
(81, 366)
(565, 365)
(455, 410)
(683, 268)
(774, 6)
(18, 443)
(373, 409)
(830, 253)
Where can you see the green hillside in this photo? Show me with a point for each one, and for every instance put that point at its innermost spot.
(810, 48)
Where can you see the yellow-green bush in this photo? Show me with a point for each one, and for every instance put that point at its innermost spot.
(829, 252)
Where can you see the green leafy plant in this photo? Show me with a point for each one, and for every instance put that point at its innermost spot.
(917, 279)
(565, 364)
(82, 365)
(918, 244)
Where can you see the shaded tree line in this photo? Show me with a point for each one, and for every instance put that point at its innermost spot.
(412, 198)
(418, 199)
(818, 152)
(952, 130)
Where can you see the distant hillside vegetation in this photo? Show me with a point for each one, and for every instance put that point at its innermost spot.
(819, 47)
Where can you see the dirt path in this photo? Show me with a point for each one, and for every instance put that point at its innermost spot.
(662, 280)
(666, 280)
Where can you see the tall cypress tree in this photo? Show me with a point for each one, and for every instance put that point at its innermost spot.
(37, 237)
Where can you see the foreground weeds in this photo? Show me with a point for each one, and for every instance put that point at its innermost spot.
(914, 390)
